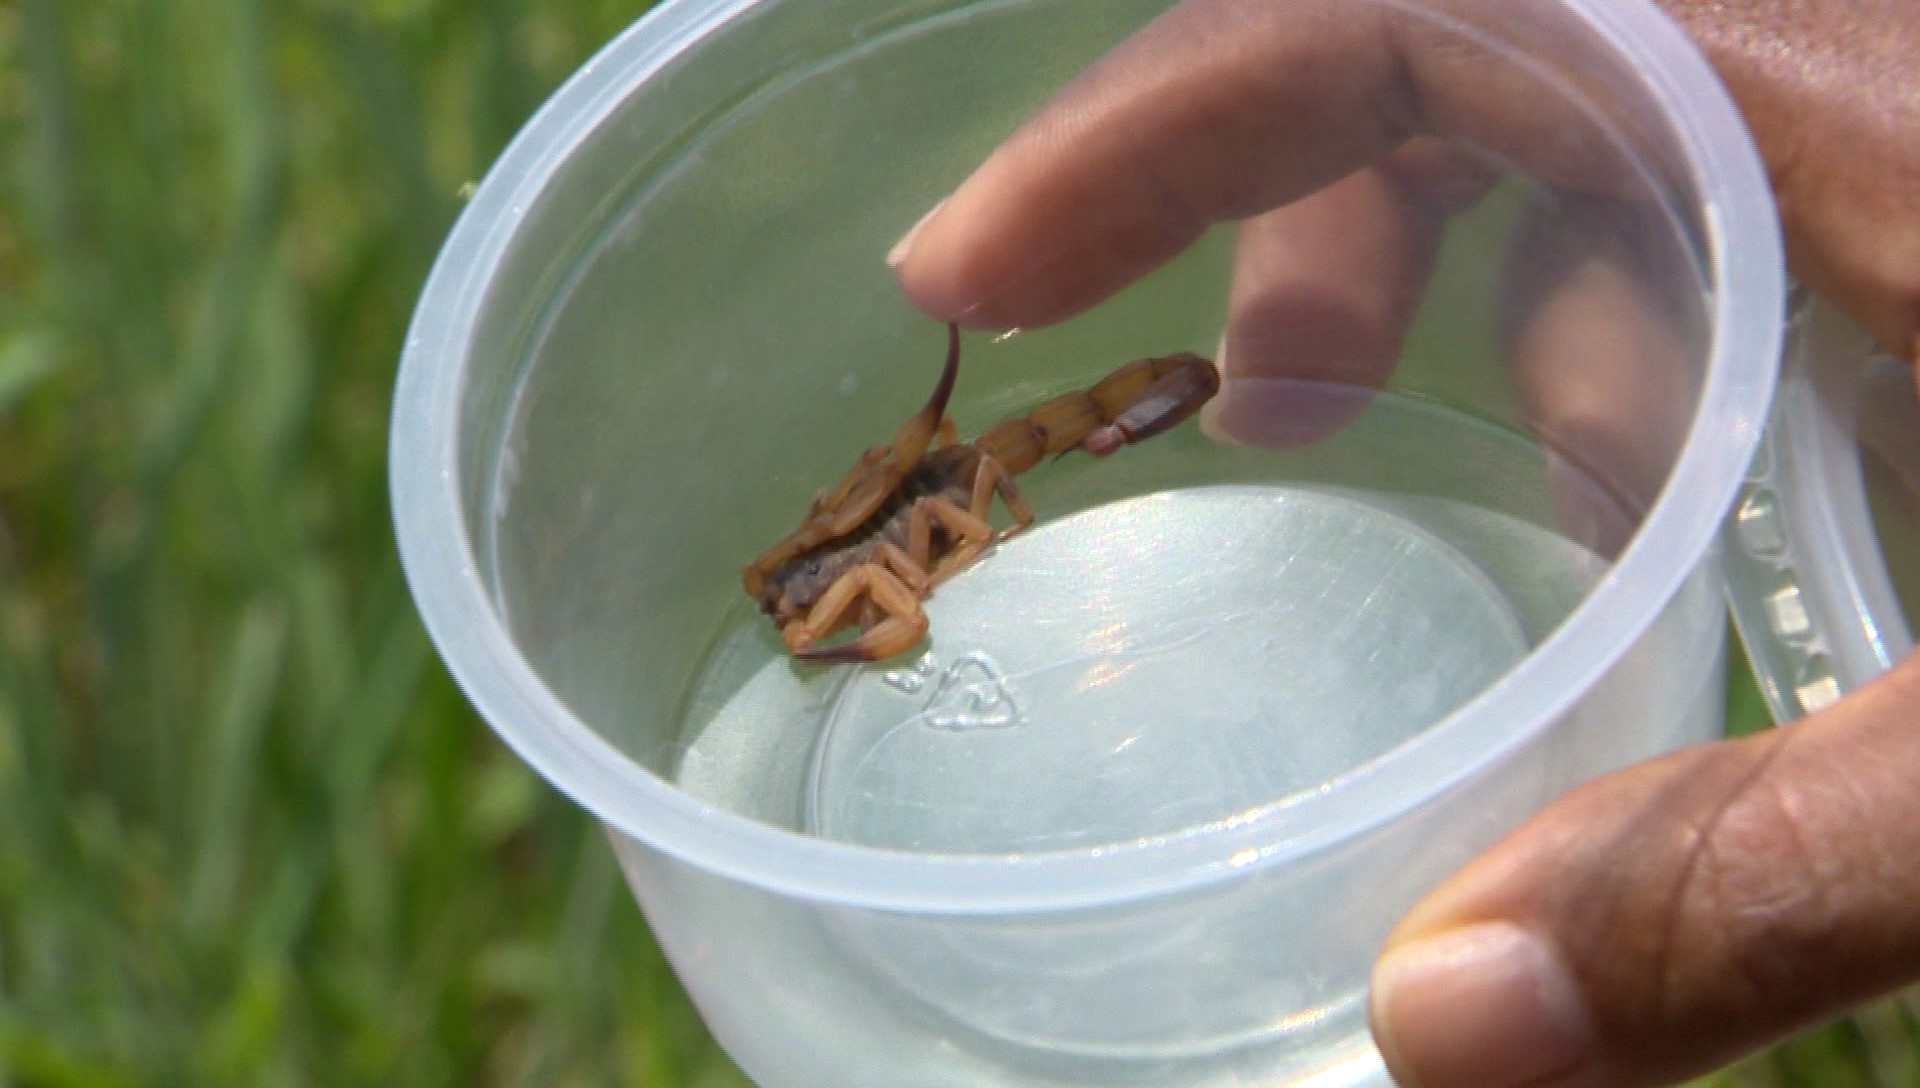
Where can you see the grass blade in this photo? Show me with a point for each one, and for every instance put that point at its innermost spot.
(229, 765)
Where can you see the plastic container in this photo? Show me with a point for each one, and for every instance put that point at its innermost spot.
(1821, 548)
(1174, 760)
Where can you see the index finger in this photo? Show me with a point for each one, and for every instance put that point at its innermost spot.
(1216, 111)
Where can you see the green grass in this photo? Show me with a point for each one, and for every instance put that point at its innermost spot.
(252, 835)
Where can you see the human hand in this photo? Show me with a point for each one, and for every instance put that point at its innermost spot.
(1224, 110)
(1664, 919)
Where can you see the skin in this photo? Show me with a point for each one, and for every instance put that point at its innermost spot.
(1664, 919)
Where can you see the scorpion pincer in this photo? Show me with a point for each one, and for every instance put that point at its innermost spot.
(912, 513)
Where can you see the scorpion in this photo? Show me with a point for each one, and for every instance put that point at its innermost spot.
(911, 513)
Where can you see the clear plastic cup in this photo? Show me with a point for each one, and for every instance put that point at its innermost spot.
(1825, 575)
(1170, 764)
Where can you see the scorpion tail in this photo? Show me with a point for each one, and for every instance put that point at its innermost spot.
(1180, 384)
(916, 434)
(1139, 400)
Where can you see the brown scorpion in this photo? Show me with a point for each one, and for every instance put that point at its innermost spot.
(906, 517)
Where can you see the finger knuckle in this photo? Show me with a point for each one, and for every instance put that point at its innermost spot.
(1759, 901)
(1715, 902)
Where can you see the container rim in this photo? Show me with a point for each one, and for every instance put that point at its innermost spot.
(438, 556)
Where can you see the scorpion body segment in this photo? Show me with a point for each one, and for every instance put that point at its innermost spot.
(911, 514)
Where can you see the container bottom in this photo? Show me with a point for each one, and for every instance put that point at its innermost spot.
(1155, 665)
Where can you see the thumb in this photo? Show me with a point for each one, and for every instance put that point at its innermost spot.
(1661, 921)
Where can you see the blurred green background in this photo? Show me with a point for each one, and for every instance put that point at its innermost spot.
(249, 832)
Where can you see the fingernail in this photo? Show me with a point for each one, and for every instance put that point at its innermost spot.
(1483, 1006)
(898, 253)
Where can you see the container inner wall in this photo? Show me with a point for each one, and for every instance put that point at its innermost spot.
(708, 334)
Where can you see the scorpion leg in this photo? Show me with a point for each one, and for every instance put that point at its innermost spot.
(971, 533)
(968, 525)
(922, 516)
(920, 534)
(911, 574)
(911, 571)
(992, 477)
(904, 623)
